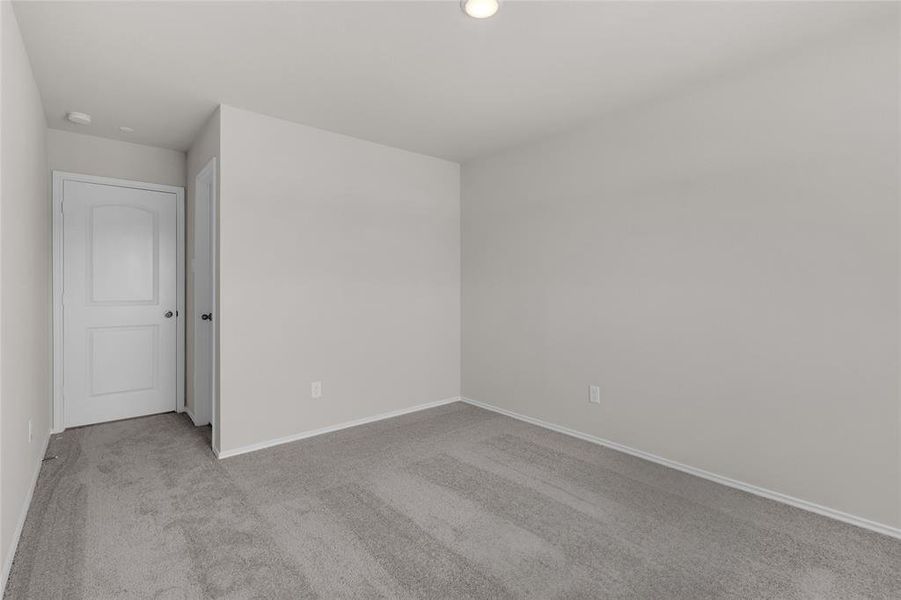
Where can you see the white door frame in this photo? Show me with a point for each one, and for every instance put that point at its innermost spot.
(58, 411)
(206, 414)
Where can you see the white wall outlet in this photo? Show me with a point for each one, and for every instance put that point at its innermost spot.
(594, 394)
(30, 433)
(316, 389)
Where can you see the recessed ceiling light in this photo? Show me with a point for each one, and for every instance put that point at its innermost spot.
(125, 129)
(480, 9)
(79, 118)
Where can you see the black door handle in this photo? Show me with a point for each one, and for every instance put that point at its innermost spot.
(207, 316)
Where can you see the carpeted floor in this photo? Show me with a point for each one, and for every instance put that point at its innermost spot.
(453, 502)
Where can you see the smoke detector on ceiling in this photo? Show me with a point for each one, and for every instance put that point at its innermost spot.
(79, 118)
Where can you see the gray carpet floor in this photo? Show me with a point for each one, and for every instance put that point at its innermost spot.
(452, 502)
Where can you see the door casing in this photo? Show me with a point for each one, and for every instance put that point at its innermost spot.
(59, 177)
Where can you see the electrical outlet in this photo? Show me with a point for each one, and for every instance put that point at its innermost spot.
(316, 389)
(30, 435)
(594, 394)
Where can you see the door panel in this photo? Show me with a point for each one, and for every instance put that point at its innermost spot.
(204, 295)
(119, 283)
(123, 359)
(124, 250)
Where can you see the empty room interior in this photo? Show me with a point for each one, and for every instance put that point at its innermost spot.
(479, 299)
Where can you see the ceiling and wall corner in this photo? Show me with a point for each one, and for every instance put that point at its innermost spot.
(382, 71)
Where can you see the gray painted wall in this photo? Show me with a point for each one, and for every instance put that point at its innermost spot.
(339, 262)
(722, 262)
(24, 283)
(92, 155)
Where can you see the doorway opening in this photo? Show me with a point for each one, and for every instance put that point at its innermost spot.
(204, 317)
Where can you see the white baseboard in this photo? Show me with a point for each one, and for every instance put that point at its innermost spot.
(20, 523)
(838, 515)
(308, 434)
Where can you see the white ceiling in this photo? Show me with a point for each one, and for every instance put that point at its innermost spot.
(416, 75)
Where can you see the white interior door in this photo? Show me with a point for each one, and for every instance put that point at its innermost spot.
(119, 301)
(204, 294)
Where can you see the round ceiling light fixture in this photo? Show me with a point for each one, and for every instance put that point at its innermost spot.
(480, 9)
